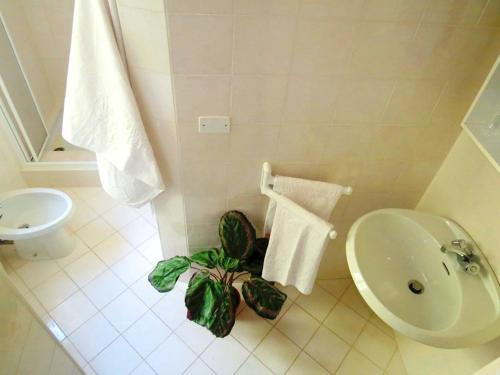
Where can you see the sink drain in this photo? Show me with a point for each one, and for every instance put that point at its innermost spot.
(415, 286)
(23, 226)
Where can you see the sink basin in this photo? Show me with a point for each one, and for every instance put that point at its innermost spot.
(395, 260)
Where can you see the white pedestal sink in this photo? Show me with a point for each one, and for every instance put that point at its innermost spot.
(395, 260)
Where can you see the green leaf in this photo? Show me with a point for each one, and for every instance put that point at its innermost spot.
(225, 314)
(237, 235)
(206, 258)
(262, 297)
(166, 273)
(202, 296)
(228, 263)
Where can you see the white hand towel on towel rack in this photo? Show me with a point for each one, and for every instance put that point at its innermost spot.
(100, 111)
(297, 242)
(317, 197)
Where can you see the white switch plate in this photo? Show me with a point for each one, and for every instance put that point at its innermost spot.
(214, 124)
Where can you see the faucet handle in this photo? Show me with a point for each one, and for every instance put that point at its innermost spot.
(462, 245)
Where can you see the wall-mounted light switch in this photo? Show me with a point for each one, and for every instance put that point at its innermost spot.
(214, 124)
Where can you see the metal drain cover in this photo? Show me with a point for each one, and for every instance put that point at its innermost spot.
(416, 286)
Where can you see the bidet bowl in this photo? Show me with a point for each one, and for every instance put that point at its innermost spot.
(34, 218)
(395, 260)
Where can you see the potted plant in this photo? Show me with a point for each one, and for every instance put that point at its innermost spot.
(211, 299)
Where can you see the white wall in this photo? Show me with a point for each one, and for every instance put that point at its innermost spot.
(10, 175)
(467, 190)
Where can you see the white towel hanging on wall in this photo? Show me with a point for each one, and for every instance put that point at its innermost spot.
(100, 110)
(298, 237)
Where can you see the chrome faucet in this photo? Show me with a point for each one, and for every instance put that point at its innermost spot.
(465, 256)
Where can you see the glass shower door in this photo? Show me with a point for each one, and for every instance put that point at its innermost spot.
(17, 103)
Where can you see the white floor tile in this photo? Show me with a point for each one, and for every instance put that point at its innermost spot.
(93, 336)
(171, 308)
(99, 201)
(73, 312)
(172, 357)
(151, 250)
(277, 352)
(318, 303)
(376, 345)
(352, 299)
(355, 363)
(199, 368)
(396, 365)
(138, 231)
(95, 232)
(113, 249)
(327, 349)
(104, 288)
(132, 267)
(291, 292)
(85, 269)
(82, 216)
(225, 355)
(120, 215)
(298, 325)
(79, 250)
(306, 365)
(35, 272)
(145, 291)
(336, 287)
(345, 322)
(250, 328)
(195, 336)
(143, 369)
(55, 290)
(117, 358)
(124, 310)
(146, 334)
(253, 366)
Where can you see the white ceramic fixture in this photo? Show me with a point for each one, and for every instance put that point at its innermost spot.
(35, 220)
(397, 262)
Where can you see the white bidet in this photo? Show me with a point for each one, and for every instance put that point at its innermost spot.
(35, 220)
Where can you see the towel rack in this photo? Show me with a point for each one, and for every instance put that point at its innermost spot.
(266, 183)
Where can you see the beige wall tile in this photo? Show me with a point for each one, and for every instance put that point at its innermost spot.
(153, 92)
(244, 177)
(362, 100)
(300, 144)
(263, 44)
(325, 9)
(413, 102)
(201, 96)
(392, 142)
(454, 11)
(145, 38)
(258, 99)
(272, 7)
(204, 179)
(153, 5)
(199, 147)
(200, 6)
(322, 47)
(381, 49)
(310, 99)
(201, 44)
(394, 10)
(205, 210)
(253, 142)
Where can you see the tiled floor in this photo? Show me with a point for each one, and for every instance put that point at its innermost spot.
(98, 303)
